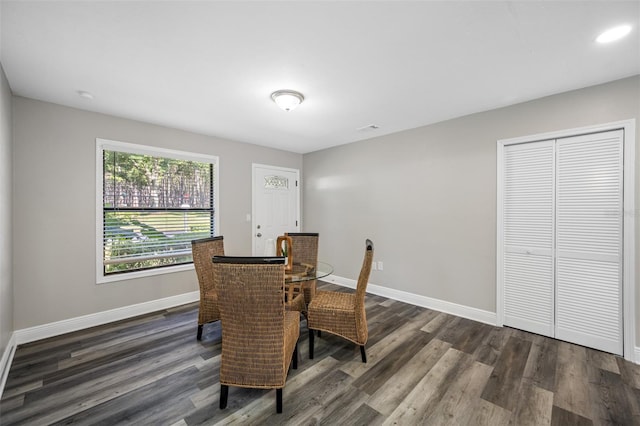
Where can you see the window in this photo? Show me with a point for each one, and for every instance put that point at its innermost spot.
(152, 203)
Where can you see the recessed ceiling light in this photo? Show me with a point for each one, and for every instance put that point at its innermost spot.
(614, 34)
(85, 94)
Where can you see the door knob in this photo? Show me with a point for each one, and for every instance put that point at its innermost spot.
(258, 235)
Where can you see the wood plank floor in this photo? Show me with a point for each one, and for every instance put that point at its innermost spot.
(424, 368)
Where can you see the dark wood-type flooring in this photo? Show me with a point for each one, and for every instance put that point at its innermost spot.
(424, 368)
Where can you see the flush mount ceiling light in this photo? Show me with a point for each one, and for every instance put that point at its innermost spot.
(287, 99)
(614, 34)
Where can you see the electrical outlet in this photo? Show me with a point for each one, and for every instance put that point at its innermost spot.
(373, 265)
(379, 265)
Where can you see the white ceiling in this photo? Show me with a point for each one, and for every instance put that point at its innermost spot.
(210, 66)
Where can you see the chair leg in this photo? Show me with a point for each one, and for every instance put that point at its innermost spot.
(279, 400)
(200, 331)
(363, 353)
(224, 395)
(294, 361)
(310, 344)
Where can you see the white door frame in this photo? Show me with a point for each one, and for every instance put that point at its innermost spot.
(629, 259)
(253, 198)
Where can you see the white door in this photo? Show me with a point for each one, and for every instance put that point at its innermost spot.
(276, 206)
(528, 204)
(589, 240)
(562, 238)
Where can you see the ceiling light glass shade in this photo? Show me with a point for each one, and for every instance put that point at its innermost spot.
(287, 99)
(614, 34)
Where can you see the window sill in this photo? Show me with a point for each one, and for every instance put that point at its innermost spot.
(141, 274)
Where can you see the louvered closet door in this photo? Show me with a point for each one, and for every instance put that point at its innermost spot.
(589, 240)
(528, 197)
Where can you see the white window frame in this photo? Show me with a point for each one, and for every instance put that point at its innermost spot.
(110, 145)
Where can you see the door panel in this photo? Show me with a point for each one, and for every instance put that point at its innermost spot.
(588, 310)
(589, 240)
(528, 203)
(528, 292)
(275, 206)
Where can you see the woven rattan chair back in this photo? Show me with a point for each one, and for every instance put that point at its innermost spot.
(343, 314)
(203, 251)
(361, 291)
(259, 335)
(305, 250)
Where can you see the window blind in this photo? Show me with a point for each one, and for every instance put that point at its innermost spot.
(153, 207)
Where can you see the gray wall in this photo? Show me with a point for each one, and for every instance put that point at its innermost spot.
(6, 274)
(54, 208)
(427, 196)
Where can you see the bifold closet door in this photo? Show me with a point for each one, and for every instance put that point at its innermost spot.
(589, 207)
(528, 236)
(563, 237)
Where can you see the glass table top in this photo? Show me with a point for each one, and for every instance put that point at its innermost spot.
(306, 272)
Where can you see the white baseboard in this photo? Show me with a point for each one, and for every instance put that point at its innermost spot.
(422, 301)
(637, 355)
(5, 362)
(57, 328)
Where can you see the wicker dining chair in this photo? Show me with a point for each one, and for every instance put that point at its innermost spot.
(259, 336)
(343, 314)
(305, 250)
(203, 251)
